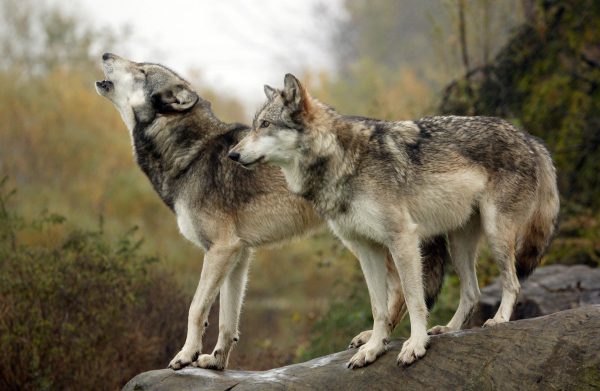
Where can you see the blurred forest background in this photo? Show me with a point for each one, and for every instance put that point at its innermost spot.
(95, 279)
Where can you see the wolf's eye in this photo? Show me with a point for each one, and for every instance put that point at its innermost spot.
(265, 124)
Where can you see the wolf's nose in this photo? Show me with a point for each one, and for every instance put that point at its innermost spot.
(234, 156)
(106, 56)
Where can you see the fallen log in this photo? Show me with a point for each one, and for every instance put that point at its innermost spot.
(560, 351)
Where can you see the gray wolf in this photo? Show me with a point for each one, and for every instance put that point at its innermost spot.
(226, 210)
(388, 186)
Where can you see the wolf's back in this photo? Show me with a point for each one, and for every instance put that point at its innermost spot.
(537, 233)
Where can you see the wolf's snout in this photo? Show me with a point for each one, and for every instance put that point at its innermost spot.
(235, 156)
(107, 56)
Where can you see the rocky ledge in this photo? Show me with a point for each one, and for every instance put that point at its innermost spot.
(554, 352)
(548, 290)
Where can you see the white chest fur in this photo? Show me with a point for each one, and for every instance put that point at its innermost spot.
(185, 222)
(364, 219)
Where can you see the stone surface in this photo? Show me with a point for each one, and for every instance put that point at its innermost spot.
(548, 290)
(555, 352)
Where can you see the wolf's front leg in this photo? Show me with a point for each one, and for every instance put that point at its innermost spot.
(232, 296)
(218, 262)
(396, 304)
(407, 257)
(372, 262)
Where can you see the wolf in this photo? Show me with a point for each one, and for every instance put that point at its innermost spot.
(224, 209)
(388, 186)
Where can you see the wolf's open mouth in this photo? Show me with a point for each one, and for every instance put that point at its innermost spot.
(105, 85)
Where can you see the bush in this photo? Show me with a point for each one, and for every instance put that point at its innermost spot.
(78, 312)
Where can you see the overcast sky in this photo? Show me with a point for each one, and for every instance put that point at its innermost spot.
(237, 45)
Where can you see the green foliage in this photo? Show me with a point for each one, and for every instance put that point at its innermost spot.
(578, 240)
(77, 311)
(546, 79)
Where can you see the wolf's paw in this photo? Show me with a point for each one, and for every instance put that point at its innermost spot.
(437, 330)
(413, 349)
(493, 321)
(360, 339)
(209, 361)
(184, 358)
(366, 354)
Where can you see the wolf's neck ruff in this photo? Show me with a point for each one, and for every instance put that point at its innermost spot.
(166, 157)
(324, 165)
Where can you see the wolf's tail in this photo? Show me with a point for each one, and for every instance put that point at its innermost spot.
(537, 233)
(435, 255)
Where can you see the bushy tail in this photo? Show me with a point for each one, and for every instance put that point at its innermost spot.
(539, 230)
(435, 256)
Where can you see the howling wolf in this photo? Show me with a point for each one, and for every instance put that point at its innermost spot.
(227, 211)
(389, 186)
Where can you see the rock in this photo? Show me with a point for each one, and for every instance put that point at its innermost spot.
(554, 352)
(548, 290)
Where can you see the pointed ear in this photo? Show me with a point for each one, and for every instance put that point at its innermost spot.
(294, 93)
(176, 98)
(270, 92)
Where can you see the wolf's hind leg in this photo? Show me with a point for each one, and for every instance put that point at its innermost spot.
(463, 249)
(217, 264)
(372, 261)
(501, 233)
(395, 300)
(231, 299)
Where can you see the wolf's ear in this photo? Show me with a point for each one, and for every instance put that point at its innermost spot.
(270, 92)
(177, 98)
(294, 94)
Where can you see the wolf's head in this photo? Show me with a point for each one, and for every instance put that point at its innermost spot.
(279, 127)
(141, 91)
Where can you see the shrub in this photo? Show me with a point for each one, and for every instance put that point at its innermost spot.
(79, 312)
